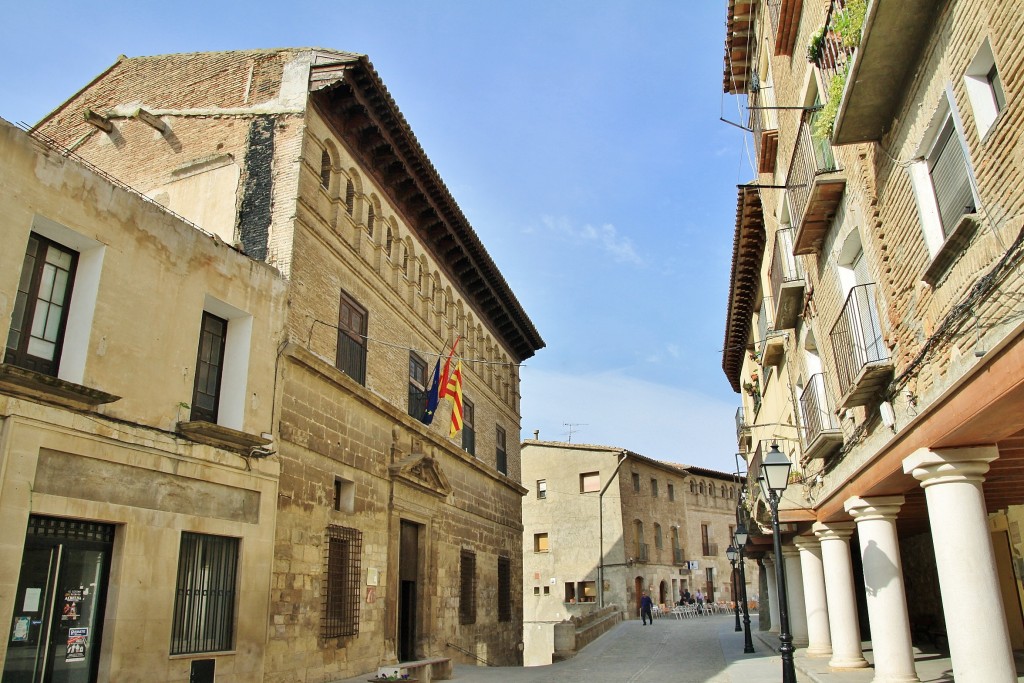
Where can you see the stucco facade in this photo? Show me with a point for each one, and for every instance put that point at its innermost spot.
(602, 524)
(884, 231)
(103, 470)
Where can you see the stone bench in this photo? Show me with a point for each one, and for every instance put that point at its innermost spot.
(423, 670)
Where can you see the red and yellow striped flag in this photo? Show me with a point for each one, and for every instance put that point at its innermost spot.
(454, 392)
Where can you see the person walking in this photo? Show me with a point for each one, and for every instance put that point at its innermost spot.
(645, 609)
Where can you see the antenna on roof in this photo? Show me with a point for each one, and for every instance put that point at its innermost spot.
(572, 428)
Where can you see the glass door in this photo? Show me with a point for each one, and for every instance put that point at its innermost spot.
(58, 610)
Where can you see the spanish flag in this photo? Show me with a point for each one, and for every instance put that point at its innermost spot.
(453, 391)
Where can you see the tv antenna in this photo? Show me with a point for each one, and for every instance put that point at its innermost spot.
(572, 428)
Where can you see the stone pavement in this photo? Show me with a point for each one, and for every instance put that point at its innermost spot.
(688, 650)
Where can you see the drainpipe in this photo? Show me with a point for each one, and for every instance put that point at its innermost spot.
(624, 454)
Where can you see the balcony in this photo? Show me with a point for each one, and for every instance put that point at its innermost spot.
(892, 39)
(764, 122)
(710, 549)
(814, 187)
(863, 364)
(742, 430)
(786, 274)
(677, 556)
(822, 434)
(770, 346)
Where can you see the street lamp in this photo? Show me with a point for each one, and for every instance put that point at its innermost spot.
(774, 479)
(731, 554)
(740, 537)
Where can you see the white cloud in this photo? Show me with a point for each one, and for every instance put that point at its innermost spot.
(611, 409)
(606, 237)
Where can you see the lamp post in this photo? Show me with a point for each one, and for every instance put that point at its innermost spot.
(740, 537)
(774, 479)
(731, 554)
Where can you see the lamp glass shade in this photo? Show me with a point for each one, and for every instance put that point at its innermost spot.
(731, 554)
(741, 535)
(764, 486)
(775, 470)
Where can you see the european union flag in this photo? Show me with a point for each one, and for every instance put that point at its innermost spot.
(432, 397)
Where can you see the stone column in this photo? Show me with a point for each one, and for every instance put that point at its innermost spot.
(842, 603)
(819, 640)
(764, 616)
(979, 643)
(883, 583)
(795, 593)
(773, 592)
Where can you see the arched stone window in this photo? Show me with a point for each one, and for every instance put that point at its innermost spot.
(350, 196)
(702, 488)
(693, 486)
(370, 220)
(389, 243)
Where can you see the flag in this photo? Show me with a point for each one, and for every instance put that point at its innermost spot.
(443, 390)
(432, 394)
(453, 391)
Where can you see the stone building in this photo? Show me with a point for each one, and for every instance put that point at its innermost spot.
(602, 525)
(393, 541)
(137, 504)
(876, 274)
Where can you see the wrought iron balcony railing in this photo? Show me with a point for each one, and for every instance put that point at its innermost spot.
(861, 356)
(817, 413)
(786, 276)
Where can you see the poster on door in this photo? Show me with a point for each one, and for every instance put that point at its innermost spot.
(72, 600)
(77, 640)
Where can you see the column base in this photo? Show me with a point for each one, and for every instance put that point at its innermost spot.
(847, 663)
(899, 678)
(818, 652)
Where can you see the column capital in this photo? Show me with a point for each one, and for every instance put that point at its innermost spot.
(876, 507)
(827, 531)
(790, 551)
(807, 542)
(944, 465)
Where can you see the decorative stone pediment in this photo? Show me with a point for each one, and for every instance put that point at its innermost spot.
(423, 472)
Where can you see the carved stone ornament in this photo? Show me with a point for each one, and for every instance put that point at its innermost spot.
(423, 472)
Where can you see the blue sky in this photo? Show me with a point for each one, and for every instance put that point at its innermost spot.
(581, 139)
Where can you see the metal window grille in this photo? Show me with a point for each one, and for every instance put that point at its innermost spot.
(75, 529)
(204, 600)
(504, 589)
(341, 581)
(467, 587)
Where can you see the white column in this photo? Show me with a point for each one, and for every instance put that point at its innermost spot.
(979, 643)
(883, 581)
(819, 640)
(773, 592)
(842, 603)
(795, 594)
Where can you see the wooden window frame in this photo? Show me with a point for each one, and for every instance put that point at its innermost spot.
(209, 372)
(500, 452)
(26, 302)
(352, 339)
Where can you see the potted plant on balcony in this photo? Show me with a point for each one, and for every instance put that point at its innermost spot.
(849, 22)
(825, 119)
(814, 47)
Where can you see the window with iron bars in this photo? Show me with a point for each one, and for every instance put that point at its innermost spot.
(341, 581)
(204, 598)
(467, 587)
(504, 589)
